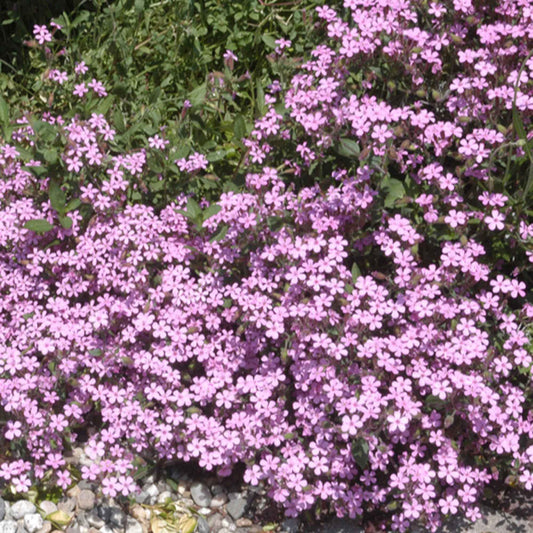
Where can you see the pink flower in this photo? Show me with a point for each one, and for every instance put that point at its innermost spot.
(42, 34)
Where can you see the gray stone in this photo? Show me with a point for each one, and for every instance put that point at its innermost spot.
(234, 495)
(141, 497)
(153, 493)
(33, 522)
(290, 525)
(86, 485)
(236, 508)
(133, 526)
(8, 526)
(81, 519)
(107, 529)
(94, 519)
(21, 508)
(204, 511)
(68, 505)
(47, 527)
(340, 525)
(113, 516)
(164, 496)
(2, 509)
(493, 521)
(217, 489)
(86, 499)
(201, 494)
(202, 525)
(214, 522)
(48, 507)
(219, 500)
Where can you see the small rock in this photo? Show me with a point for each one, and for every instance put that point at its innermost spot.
(200, 494)
(67, 505)
(236, 508)
(47, 527)
(254, 529)
(243, 522)
(164, 496)
(8, 526)
(86, 499)
(228, 525)
(2, 509)
(21, 508)
(202, 526)
(290, 525)
(107, 529)
(94, 519)
(73, 491)
(186, 502)
(86, 485)
(33, 522)
(183, 488)
(73, 529)
(219, 500)
(81, 519)
(138, 512)
(217, 489)
(48, 507)
(132, 526)
(214, 522)
(205, 511)
(153, 493)
(141, 496)
(234, 495)
(227, 530)
(116, 517)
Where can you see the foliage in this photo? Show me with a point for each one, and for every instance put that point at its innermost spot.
(353, 324)
(157, 58)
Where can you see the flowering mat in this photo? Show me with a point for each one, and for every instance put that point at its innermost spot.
(349, 328)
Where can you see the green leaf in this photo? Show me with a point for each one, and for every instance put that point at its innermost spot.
(66, 222)
(434, 402)
(360, 451)
(118, 120)
(57, 197)
(4, 112)
(347, 148)
(197, 96)
(59, 518)
(395, 191)
(216, 155)
(72, 205)
(50, 156)
(193, 209)
(260, 100)
(220, 234)
(356, 272)
(239, 127)
(39, 225)
(269, 41)
(211, 211)
(275, 223)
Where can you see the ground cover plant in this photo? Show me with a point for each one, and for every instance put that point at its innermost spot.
(198, 70)
(353, 325)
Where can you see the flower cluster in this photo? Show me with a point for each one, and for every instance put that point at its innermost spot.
(350, 341)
